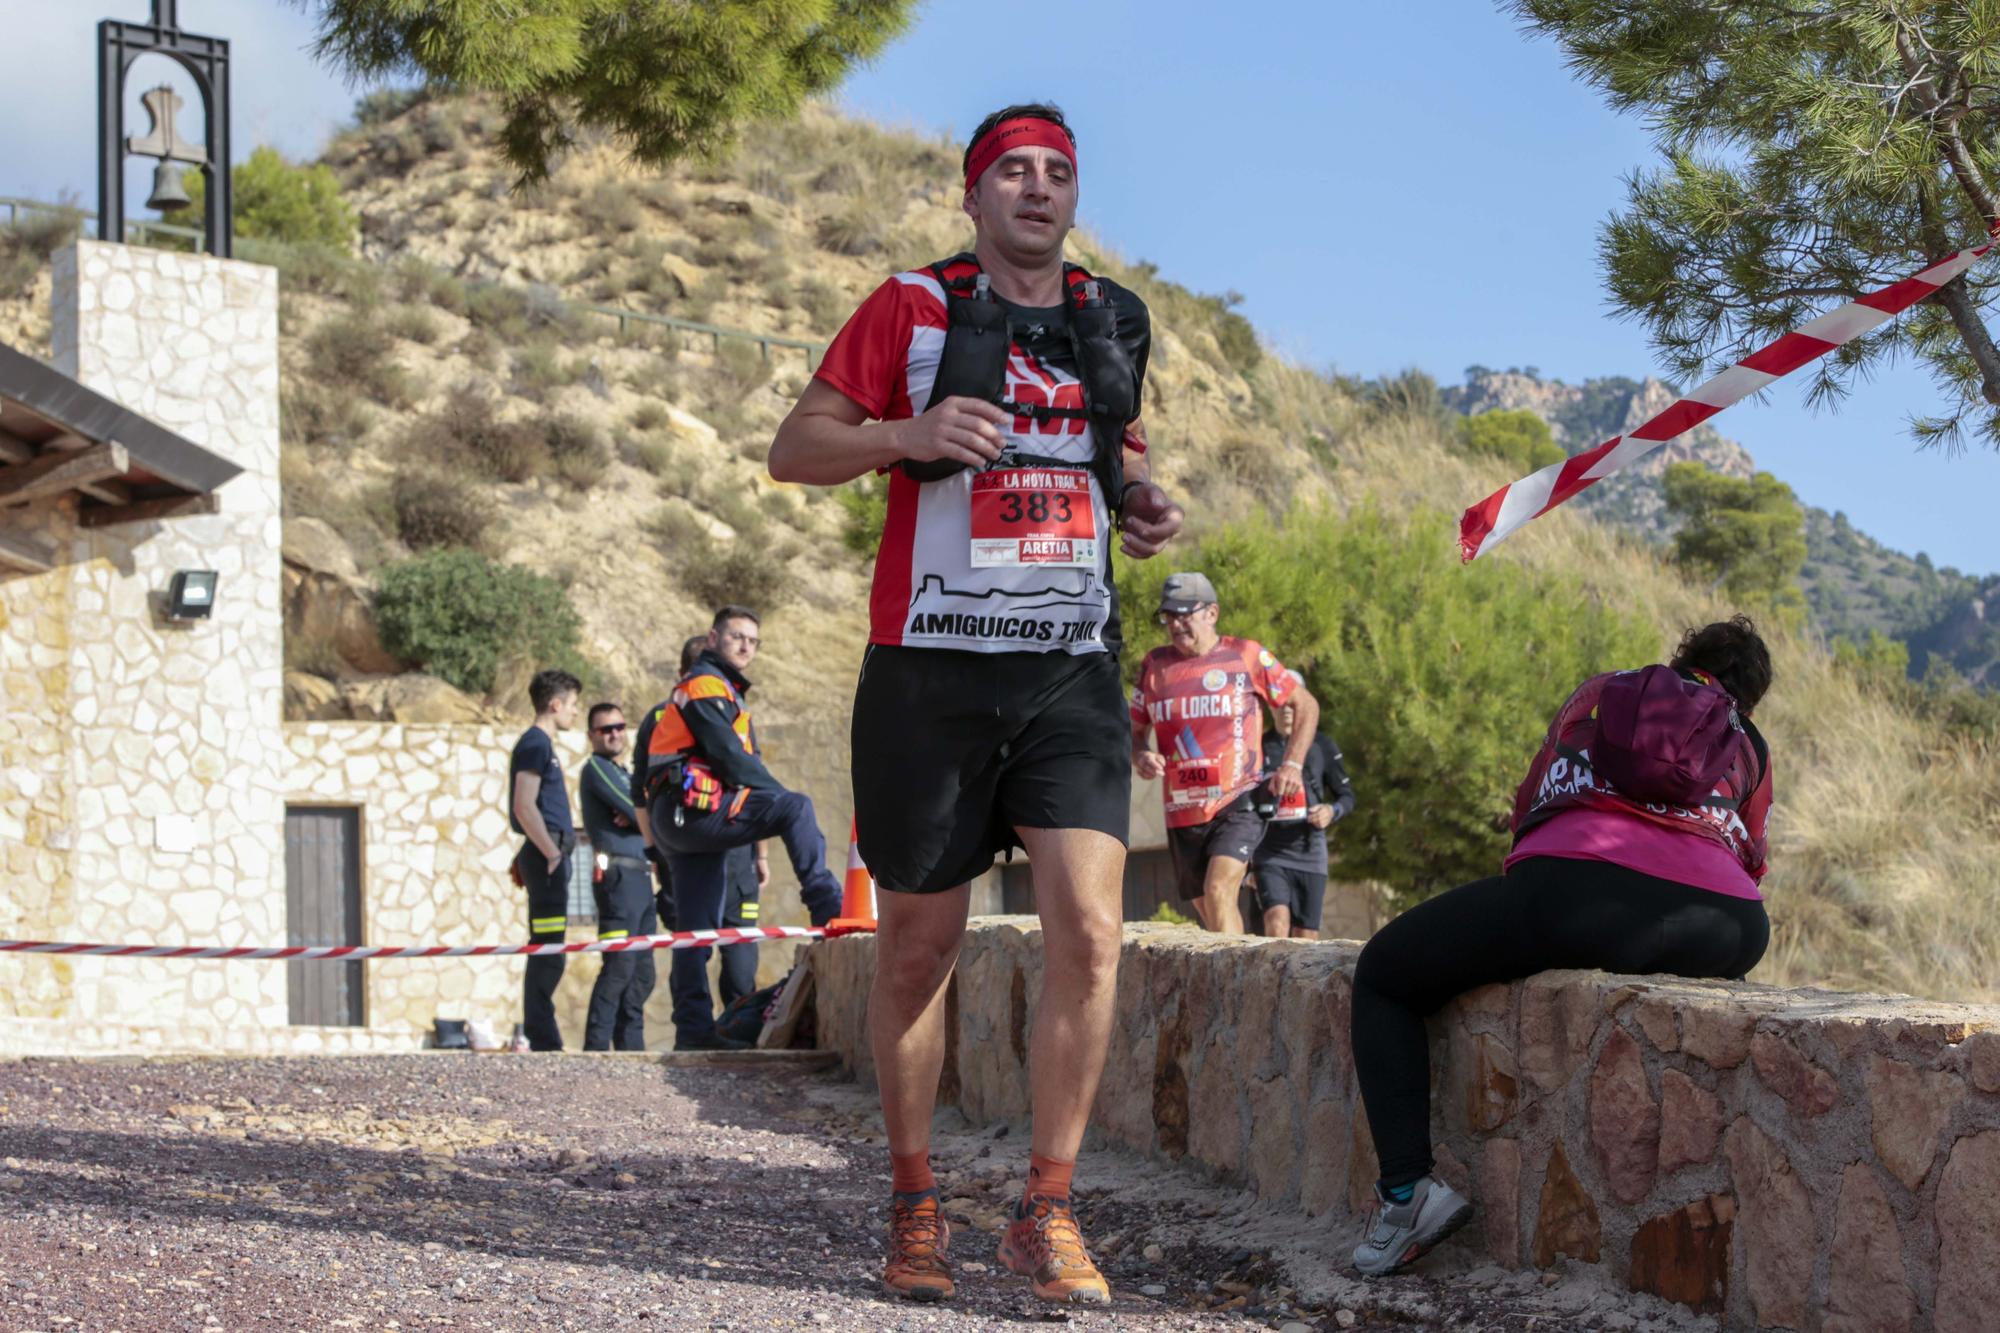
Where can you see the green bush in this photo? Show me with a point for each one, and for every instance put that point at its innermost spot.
(459, 616)
(1517, 437)
(433, 511)
(864, 508)
(1437, 680)
(1749, 536)
(275, 200)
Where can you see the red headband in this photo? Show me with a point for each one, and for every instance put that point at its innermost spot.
(1021, 132)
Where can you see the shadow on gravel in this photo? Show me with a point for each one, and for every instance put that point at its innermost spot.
(722, 1219)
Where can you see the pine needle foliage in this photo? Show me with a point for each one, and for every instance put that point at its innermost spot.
(1813, 150)
(669, 78)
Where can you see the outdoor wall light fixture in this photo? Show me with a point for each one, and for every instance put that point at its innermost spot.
(191, 596)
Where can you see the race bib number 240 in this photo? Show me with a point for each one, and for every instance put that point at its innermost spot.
(1033, 516)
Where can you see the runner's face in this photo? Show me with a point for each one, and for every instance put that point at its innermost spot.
(1194, 632)
(737, 642)
(604, 739)
(1025, 203)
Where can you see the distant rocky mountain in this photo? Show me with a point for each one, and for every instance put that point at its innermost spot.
(1853, 583)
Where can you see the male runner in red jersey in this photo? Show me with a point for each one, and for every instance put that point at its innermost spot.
(1199, 695)
(988, 711)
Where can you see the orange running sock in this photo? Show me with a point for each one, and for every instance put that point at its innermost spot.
(1048, 1176)
(910, 1172)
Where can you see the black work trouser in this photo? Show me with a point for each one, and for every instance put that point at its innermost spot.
(1547, 912)
(741, 906)
(616, 1020)
(548, 923)
(697, 847)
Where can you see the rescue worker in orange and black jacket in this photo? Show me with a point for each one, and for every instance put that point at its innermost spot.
(706, 791)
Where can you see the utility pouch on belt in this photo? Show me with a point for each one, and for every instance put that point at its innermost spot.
(700, 788)
(974, 363)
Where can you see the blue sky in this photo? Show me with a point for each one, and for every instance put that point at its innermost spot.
(1387, 185)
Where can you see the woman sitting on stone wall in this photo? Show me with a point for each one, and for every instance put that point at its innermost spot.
(1638, 844)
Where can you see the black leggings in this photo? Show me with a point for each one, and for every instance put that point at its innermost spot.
(1547, 912)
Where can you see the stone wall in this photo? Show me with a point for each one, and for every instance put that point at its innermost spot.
(140, 792)
(1783, 1158)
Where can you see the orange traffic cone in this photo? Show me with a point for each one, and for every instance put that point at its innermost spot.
(857, 897)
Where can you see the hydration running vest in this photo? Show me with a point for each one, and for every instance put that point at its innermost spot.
(978, 339)
(1562, 777)
(670, 752)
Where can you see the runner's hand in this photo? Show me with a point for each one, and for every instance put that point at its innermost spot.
(1287, 780)
(1149, 764)
(555, 861)
(1320, 816)
(1150, 521)
(957, 430)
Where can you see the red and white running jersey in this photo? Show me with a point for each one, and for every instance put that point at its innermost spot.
(1002, 560)
(1207, 723)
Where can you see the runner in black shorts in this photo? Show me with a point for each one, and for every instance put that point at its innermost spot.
(987, 713)
(1291, 860)
(1197, 725)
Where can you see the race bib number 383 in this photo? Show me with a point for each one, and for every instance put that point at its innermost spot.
(1033, 516)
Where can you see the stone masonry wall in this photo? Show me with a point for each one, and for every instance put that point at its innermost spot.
(1782, 1158)
(142, 793)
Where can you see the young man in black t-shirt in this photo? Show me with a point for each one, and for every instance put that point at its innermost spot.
(538, 810)
(989, 712)
(1291, 860)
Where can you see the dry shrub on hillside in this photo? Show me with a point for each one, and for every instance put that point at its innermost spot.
(540, 367)
(27, 242)
(578, 449)
(856, 229)
(740, 571)
(413, 323)
(434, 511)
(468, 426)
(313, 415)
(348, 351)
(611, 206)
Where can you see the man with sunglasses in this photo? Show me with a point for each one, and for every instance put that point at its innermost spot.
(701, 790)
(616, 1020)
(1200, 697)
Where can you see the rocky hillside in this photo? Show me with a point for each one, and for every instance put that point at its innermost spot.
(1853, 583)
(450, 388)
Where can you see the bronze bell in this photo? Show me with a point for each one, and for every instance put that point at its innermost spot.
(169, 195)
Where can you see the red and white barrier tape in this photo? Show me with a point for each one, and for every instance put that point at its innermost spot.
(680, 939)
(1492, 519)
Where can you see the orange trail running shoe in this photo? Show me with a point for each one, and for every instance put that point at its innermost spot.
(918, 1239)
(1044, 1244)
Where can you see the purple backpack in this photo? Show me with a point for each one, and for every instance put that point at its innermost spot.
(1662, 738)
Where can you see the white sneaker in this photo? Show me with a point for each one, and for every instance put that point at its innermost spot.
(1402, 1233)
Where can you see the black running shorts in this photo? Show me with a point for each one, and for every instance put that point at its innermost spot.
(953, 750)
(1234, 832)
(1300, 891)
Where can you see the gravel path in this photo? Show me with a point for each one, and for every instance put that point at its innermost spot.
(576, 1192)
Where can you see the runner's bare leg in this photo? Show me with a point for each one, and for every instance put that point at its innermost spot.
(1303, 933)
(917, 939)
(1277, 922)
(1219, 885)
(1079, 888)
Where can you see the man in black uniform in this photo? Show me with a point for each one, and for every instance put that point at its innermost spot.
(706, 792)
(617, 1015)
(538, 810)
(1291, 860)
(749, 870)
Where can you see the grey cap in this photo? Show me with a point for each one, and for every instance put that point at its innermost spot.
(1185, 592)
